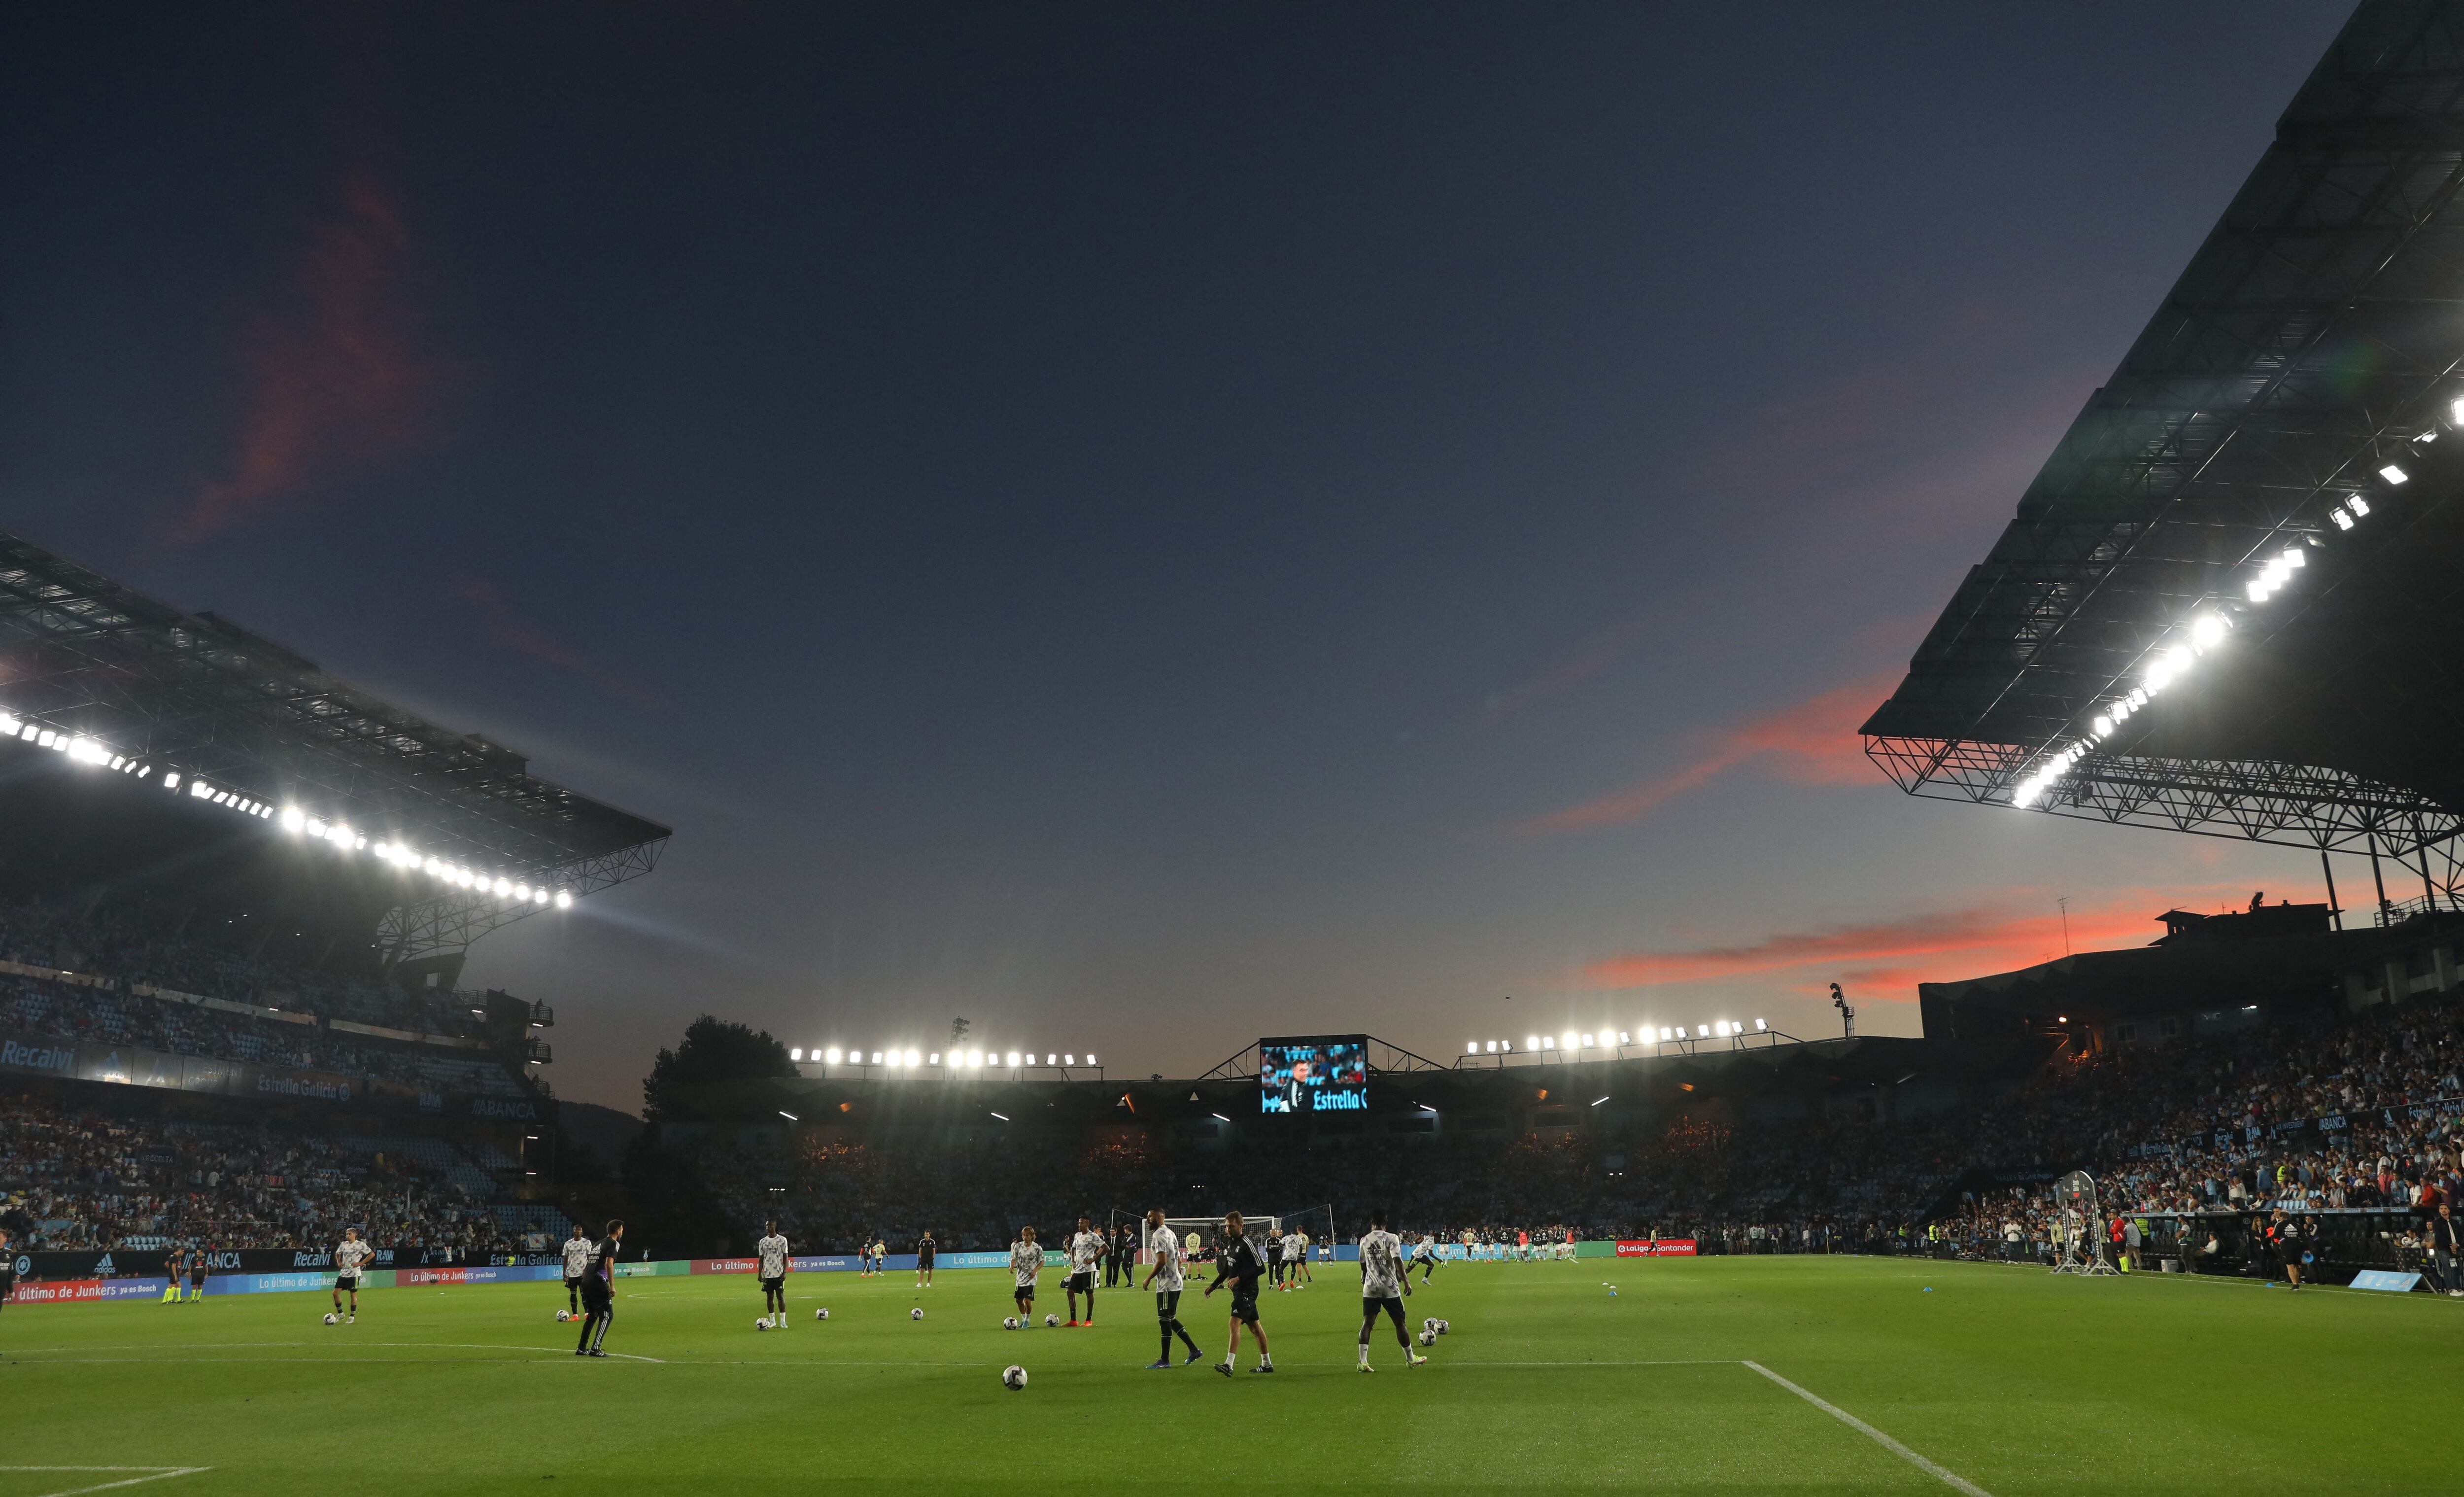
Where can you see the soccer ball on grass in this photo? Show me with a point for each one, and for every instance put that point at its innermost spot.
(1442, 1327)
(1428, 1338)
(331, 1318)
(1009, 1322)
(760, 1322)
(564, 1315)
(1051, 1321)
(917, 1313)
(823, 1313)
(1013, 1378)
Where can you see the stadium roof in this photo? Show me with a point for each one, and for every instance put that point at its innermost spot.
(126, 682)
(2229, 604)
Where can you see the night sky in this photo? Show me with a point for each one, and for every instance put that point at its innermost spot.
(1143, 526)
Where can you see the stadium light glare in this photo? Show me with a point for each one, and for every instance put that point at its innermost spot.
(1013, 1058)
(2344, 521)
(2294, 558)
(974, 1057)
(2394, 474)
(1623, 1037)
(1068, 1059)
(1472, 1049)
(2103, 727)
(1587, 1041)
(936, 1059)
(915, 1059)
(563, 899)
(1531, 1043)
(1760, 1026)
(2358, 505)
(1702, 1031)
(795, 1055)
(1090, 1057)
(833, 1055)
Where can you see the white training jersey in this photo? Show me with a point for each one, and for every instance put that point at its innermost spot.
(1165, 1245)
(350, 1255)
(1086, 1251)
(1425, 1247)
(1381, 1265)
(773, 1252)
(577, 1256)
(1291, 1248)
(1027, 1261)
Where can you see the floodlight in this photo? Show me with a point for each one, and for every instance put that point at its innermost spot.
(974, 1057)
(1702, 1031)
(539, 896)
(876, 1057)
(2344, 521)
(1587, 1042)
(782, 1112)
(1623, 1037)
(1760, 1026)
(1472, 1049)
(1531, 1043)
(9, 725)
(795, 1055)
(2393, 475)
(563, 900)
(831, 1055)
(1666, 1033)
(1565, 1042)
(170, 782)
(523, 893)
(1548, 1042)
(2103, 727)
(1048, 1059)
(1068, 1059)
(1013, 1057)
(2294, 558)
(2259, 589)
(2357, 504)
(504, 885)
(936, 1059)
(912, 1059)
(1090, 1059)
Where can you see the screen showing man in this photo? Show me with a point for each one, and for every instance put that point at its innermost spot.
(1316, 1074)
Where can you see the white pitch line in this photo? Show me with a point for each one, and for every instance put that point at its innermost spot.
(1948, 1475)
(155, 1473)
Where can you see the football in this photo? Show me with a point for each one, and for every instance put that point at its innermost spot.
(1428, 1338)
(1051, 1321)
(1429, 1324)
(760, 1322)
(564, 1314)
(1442, 1327)
(1013, 1378)
(917, 1313)
(329, 1317)
(1009, 1322)
(823, 1313)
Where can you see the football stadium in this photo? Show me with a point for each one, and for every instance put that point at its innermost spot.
(290, 1206)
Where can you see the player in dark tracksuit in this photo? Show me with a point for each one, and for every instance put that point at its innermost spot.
(599, 1293)
(1240, 1264)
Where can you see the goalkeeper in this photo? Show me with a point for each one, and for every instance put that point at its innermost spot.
(1240, 1264)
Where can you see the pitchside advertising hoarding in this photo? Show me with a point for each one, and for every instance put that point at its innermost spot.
(1313, 1073)
(1663, 1248)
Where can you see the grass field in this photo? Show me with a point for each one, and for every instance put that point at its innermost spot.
(2007, 1380)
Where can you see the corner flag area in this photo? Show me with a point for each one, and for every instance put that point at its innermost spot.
(1730, 1375)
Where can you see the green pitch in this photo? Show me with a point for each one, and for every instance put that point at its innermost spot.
(2007, 1379)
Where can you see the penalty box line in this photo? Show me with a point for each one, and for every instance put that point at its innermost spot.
(1943, 1473)
(153, 1473)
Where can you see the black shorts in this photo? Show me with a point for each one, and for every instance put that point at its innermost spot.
(1245, 1307)
(768, 1284)
(1024, 1291)
(197, 1280)
(1374, 1306)
(923, 1260)
(1082, 1282)
(572, 1284)
(1167, 1303)
(346, 1283)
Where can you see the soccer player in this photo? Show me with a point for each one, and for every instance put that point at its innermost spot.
(1384, 1280)
(1240, 1264)
(925, 1250)
(1164, 1277)
(1424, 1257)
(578, 1251)
(7, 1269)
(350, 1256)
(772, 1251)
(175, 1263)
(599, 1293)
(198, 1258)
(1025, 1262)
(1307, 1279)
(1085, 1250)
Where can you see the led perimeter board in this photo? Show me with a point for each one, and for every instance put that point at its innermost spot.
(1313, 1073)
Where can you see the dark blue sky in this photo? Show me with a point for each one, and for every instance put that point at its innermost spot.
(1140, 525)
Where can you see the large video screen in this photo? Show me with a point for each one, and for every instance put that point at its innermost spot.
(1320, 1073)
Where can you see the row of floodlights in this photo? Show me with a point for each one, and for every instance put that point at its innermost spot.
(2205, 632)
(86, 751)
(958, 1060)
(1607, 1039)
